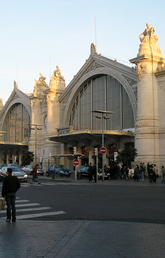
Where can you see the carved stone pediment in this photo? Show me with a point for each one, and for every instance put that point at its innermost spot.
(15, 96)
(92, 67)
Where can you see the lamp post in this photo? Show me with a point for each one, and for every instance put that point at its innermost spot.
(103, 116)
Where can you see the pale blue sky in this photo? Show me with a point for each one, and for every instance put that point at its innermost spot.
(37, 35)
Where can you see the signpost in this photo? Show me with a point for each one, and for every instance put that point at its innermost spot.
(97, 163)
(103, 150)
(103, 114)
(75, 164)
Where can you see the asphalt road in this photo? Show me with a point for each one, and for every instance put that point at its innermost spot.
(132, 203)
(73, 220)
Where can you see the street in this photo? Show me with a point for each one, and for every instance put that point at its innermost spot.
(103, 201)
(76, 217)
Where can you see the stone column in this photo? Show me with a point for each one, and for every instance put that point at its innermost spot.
(7, 158)
(20, 158)
(148, 61)
(91, 153)
(147, 122)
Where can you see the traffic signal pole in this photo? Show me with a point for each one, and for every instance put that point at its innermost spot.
(97, 163)
(103, 155)
(75, 162)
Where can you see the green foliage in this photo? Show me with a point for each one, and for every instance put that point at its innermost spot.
(128, 154)
(27, 158)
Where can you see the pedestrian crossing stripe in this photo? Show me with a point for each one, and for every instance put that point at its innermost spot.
(29, 209)
(18, 201)
(38, 215)
(25, 206)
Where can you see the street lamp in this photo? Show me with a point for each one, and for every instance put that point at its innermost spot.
(103, 116)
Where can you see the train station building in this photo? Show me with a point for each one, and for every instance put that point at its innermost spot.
(106, 102)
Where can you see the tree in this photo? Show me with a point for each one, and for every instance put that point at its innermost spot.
(128, 154)
(27, 157)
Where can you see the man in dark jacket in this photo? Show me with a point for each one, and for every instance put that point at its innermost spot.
(9, 188)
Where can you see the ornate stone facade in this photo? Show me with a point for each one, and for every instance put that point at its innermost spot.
(149, 61)
(61, 117)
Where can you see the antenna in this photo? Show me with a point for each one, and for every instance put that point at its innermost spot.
(50, 64)
(95, 35)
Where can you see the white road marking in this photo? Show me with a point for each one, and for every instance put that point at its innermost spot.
(21, 207)
(29, 209)
(27, 204)
(38, 215)
(18, 201)
(43, 214)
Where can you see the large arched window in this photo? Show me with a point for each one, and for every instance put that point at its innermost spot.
(16, 125)
(102, 92)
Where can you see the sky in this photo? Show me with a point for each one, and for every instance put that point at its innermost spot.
(37, 35)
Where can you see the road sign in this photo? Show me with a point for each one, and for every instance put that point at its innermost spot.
(75, 162)
(103, 150)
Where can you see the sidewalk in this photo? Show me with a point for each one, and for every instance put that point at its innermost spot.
(71, 180)
(81, 239)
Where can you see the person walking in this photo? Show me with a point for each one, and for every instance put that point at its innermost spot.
(94, 175)
(136, 173)
(90, 171)
(10, 186)
(163, 174)
(34, 174)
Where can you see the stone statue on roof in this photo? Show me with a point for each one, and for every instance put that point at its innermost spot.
(40, 86)
(149, 44)
(93, 49)
(57, 81)
(57, 72)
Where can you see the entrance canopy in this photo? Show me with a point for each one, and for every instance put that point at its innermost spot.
(6, 146)
(92, 136)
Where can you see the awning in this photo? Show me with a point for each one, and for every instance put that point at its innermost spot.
(89, 136)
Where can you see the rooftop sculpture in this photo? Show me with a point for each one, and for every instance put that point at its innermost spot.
(149, 44)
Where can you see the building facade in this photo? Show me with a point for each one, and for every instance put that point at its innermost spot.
(55, 121)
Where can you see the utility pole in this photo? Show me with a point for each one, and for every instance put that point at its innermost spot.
(97, 163)
(103, 116)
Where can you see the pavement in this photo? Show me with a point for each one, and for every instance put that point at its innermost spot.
(82, 238)
(84, 181)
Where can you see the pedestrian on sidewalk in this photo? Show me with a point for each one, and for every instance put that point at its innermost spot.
(10, 186)
(163, 175)
(94, 173)
(136, 173)
(90, 170)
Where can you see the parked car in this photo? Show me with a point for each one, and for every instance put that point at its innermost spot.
(40, 172)
(83, 172)
(16, 171)
(28, 169)
(54, 170)
(2, 165)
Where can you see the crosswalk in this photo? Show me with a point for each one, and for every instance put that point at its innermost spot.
(29, 210)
